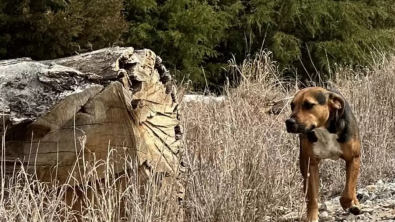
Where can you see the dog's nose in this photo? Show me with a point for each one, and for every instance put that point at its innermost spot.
(291, 125)
(290, 122)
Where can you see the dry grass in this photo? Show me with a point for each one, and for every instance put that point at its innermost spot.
(243, 165)
(114, 198)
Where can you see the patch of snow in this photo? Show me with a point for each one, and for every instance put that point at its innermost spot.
(203, 99)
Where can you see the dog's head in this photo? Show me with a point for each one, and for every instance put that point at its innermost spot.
(311, 108)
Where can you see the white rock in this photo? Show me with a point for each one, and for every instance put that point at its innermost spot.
(324, 214)
(330, 206)
(322, 206)
(363, 196)
(371, 188)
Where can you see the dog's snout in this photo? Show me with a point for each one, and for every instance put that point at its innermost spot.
(290, 121)
(291, 125)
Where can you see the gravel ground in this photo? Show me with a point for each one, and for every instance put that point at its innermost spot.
(377, 203)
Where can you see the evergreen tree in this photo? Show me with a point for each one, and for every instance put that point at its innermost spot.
(44, 29)
(321, 33)
(184, 32)
(4, 37)
(306, 35)
(192, 35)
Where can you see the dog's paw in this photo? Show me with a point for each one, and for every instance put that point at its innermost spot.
(346, 203)
(350, 205)
(356, 210)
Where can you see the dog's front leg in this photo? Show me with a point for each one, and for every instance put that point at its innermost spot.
(311, 185)
(349, 199)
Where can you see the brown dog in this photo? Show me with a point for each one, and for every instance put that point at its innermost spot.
(327, 129)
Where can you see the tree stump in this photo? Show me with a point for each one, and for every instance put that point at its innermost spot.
(63, 114)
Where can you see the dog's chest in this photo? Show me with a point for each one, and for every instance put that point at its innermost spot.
(326, 146)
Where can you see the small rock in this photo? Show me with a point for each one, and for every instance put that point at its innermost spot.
(385, 195)
(371, 188)
(324, 214)
(368, 203)
(361, 217)
(361, 190)
(372, 196)
(380, 183)
(363, 196)
(388, 217)
(330, 206)
(322, 207)
(367, 210)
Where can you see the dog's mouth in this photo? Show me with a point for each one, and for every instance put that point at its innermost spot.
(300, 130)
(294, 127)
(310, 129)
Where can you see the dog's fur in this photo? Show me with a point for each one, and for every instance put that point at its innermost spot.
(327, 129)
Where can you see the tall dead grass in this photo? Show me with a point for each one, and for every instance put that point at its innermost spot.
(242, 165)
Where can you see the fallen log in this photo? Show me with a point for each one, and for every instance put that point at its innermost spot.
(62, 114)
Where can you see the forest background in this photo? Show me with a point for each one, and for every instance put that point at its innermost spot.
(308, 39)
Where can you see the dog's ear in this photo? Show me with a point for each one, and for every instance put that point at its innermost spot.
(336, 102)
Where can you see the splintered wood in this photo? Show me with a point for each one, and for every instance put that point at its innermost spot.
(63, 114)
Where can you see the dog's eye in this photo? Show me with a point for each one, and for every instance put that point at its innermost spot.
(308, 105)
(292, 106)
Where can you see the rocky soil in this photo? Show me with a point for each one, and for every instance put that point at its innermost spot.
(377, 203)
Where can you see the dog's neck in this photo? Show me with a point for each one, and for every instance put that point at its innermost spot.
(338, 124)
